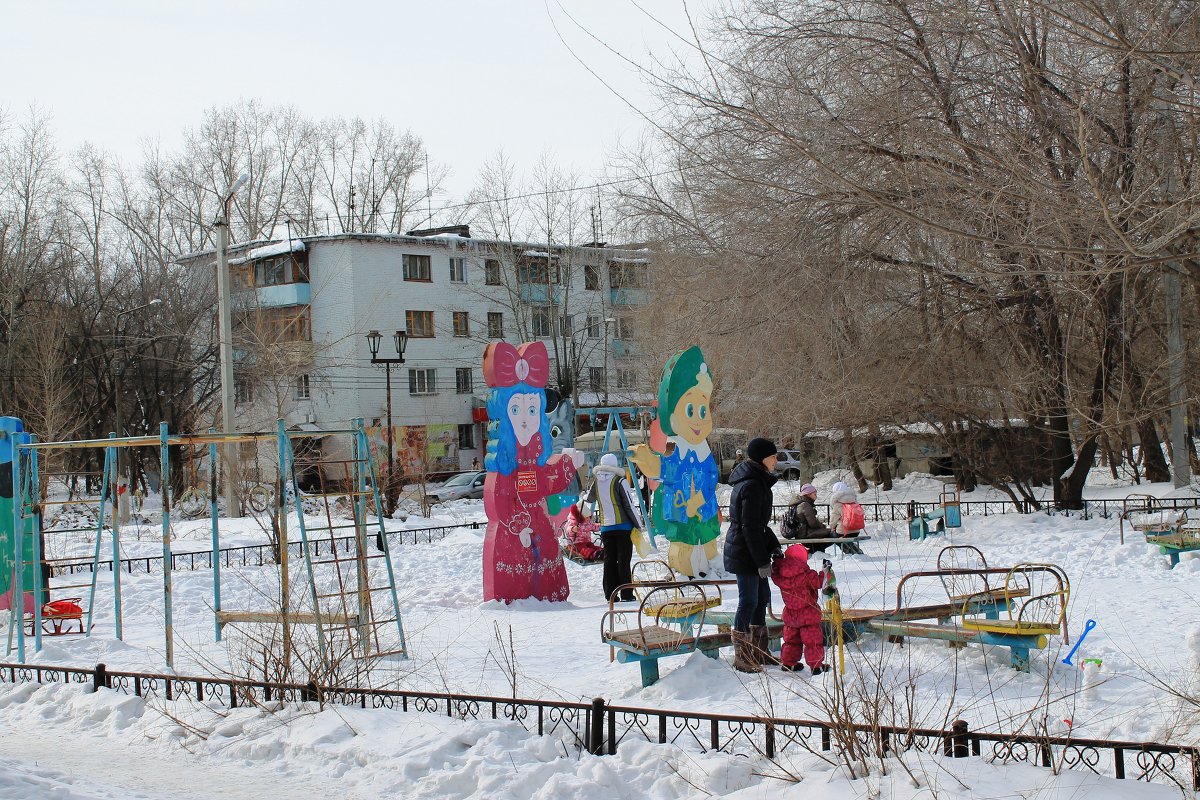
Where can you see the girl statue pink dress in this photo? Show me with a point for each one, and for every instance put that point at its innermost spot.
(521, 556)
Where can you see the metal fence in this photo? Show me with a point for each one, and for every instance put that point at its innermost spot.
(600, 728)
(261, 554)
(255, 555)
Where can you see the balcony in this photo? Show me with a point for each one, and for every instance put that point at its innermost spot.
(625, 347)
(627, 297)
(540, 293)
(284, 294)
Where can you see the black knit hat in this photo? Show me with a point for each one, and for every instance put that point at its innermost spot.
(760, 449)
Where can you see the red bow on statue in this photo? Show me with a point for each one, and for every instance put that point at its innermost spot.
(505, 365)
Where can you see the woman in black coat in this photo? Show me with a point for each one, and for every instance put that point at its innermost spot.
(750, 544)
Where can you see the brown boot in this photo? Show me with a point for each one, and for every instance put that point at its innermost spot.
(762, 651)
(743, 653)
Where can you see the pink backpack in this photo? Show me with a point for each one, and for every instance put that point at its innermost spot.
(852, 518)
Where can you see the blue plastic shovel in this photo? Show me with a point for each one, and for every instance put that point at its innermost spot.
(1091, 623)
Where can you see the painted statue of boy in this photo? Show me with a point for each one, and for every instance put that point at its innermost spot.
(685, 502)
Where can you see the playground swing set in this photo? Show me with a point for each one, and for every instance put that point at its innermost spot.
(350, 615)
(580, 535)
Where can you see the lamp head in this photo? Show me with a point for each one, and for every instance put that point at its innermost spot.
(401, 341)
(373, 340)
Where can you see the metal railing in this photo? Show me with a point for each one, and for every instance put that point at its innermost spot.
(600, 728)
(253, 555)
(261, 554)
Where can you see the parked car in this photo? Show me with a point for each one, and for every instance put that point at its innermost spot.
(788, 466)
(463, 486)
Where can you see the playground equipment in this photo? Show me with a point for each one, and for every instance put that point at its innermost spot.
(341, 602)
(667, 622)
(1168, 529)
(1038, 594)
(947, 515)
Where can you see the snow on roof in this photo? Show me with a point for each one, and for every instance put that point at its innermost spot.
(620, 260)
(909, 429)
(538, 254)
(295, 245)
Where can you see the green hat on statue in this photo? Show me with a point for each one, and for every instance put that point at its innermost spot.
(683, 371)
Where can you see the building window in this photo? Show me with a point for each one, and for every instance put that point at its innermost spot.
(627, 276)
(462, 323)
(595, 327)
(491, 272)
(422, 381)
(463, 383)
(596, 378)
(303, 387)
(243, 392)
(626, 378)
(591, 276)
(416, 268)
(420, 324)
(495, 325)
(541, 321)
(624, 329)
(458, 270)
(538, 270)
(279, 270)
(568, 324)
(284, 324)
(466, 437)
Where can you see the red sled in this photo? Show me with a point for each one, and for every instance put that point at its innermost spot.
(57, 616)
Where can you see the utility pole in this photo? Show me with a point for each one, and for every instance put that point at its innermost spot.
(225, 333)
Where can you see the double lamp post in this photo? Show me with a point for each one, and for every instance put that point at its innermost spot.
(400, 340)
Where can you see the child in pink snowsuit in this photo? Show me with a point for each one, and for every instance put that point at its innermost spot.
(799, 584)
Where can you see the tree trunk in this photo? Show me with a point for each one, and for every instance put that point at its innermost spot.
(854, 467)
(1155, 464)
(883, 475)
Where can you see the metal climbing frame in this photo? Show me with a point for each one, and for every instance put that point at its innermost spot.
(369, 620)
(351, 610)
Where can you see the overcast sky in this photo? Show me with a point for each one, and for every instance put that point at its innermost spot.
(470, 77)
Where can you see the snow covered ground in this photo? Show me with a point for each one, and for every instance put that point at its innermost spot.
(1148, 637)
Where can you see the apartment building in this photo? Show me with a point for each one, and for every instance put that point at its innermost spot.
(303, 308)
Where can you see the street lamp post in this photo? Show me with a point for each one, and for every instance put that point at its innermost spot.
(400, 340)
(607, 321)
(226, 343)
(118, 373)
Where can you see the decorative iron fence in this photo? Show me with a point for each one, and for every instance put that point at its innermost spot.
(255, 555)
(600, 728)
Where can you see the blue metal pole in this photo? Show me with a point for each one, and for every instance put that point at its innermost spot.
(18, 583)
(112, 456)
(216, 537)
(39, 545)
(104, 484)
(165, 472)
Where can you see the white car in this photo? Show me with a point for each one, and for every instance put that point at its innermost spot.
(464, 486)
(789, 466)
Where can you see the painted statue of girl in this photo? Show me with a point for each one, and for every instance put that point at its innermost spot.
(520, 551)
(685, 503)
